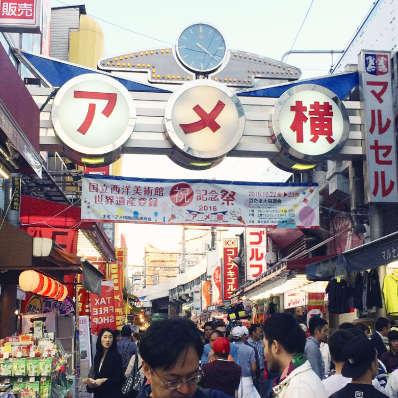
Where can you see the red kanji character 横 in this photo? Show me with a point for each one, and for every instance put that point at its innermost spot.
(321, 121)
(299, 120)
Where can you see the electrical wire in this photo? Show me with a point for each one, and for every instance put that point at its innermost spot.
(118, 26)
(300, 29)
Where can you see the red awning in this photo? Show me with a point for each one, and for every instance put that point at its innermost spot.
(300, 264)
(43, 213)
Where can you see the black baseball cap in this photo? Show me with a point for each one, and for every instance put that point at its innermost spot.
(359, 353)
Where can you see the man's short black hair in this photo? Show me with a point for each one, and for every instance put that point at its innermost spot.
(126, 331)
(219, 333)
(209, 323)
(253, 328)
(286, 331)
(393, 335)
(382, 323)
(164, 341)
(346, 325)
(316, 322)
(336, 342)
(219, 324)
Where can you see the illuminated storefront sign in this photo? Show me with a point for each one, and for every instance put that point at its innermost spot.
(93, 115)
(230, 269)
(309, 124)
(381, 153)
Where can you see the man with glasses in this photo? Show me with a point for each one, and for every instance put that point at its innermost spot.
(170, 351)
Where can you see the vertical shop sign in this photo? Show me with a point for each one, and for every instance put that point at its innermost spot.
(256, 248)
(85, 345)
(216, 290)
(314, 304)
(117, 275)
(230, 271)
(197, 300)
(206, 294)
(16, 193)
(381, 154)
(102, 308)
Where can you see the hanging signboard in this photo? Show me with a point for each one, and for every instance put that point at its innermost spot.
(21, 16)
(230, 269)
(256, 248)
(216, 288)
(116, 274)
(200, 202)
(206, 295)
(102, 308)
(380, 140)
(197, 301)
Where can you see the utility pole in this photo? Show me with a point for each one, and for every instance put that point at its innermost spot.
(182, 268)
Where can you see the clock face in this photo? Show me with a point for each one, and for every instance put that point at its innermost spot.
(201, 47)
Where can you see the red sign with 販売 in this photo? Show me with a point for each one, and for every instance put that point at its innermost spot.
(102, 309)
(230, 270)
(20, 16)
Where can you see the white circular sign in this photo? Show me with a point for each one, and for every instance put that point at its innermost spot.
(93, 114)
(310, 123)
(204, 119)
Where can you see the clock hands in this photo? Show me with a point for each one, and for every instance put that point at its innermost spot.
(201, 47)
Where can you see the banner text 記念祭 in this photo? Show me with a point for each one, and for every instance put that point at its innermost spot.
(200, 202)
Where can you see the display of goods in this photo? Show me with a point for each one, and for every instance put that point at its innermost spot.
(19, 366)
(45, 366)
(33, 368)
(5, 367)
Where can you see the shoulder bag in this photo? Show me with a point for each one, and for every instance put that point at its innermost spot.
(133, 382)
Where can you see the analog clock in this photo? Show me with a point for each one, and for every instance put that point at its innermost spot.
(201, 47)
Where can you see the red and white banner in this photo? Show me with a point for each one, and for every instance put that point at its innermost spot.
(256, 248)
(381, 152)
(20, 16)
(200, 202)
(230, 270)
(206, 294)
(216, 287)
(102, 308)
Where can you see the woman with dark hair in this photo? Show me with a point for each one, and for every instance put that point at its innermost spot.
(108, 373)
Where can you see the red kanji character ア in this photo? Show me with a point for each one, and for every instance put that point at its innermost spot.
(377, 148)
(255, 255)
(93, 187)
(383, 85)
(321, 121)
(260, 269)
(384, 191)
(382, 129)
(299, 120)
(228, 197)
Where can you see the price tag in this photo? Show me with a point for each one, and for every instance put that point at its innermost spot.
(6, 355)
(42, 378)
(32, 354)
(45, 354)
(32, 379)
(20, 379)
(7, 381)
(19, 354)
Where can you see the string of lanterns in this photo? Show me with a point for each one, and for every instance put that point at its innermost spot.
(37, 283)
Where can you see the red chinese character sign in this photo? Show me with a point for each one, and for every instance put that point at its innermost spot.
(230, 269)
(256, 248)
(204, 121)
(309, 124)
(21, 16)
(93, 115)
(199, 202)
(102, 308)
(381, 164)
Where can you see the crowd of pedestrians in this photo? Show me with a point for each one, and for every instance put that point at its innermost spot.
(173, 359)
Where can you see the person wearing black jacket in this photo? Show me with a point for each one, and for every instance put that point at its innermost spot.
(382, 326)
(107, 375)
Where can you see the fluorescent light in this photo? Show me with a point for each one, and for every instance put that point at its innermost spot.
(4, 174)
(299, 166)
(93, 160)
